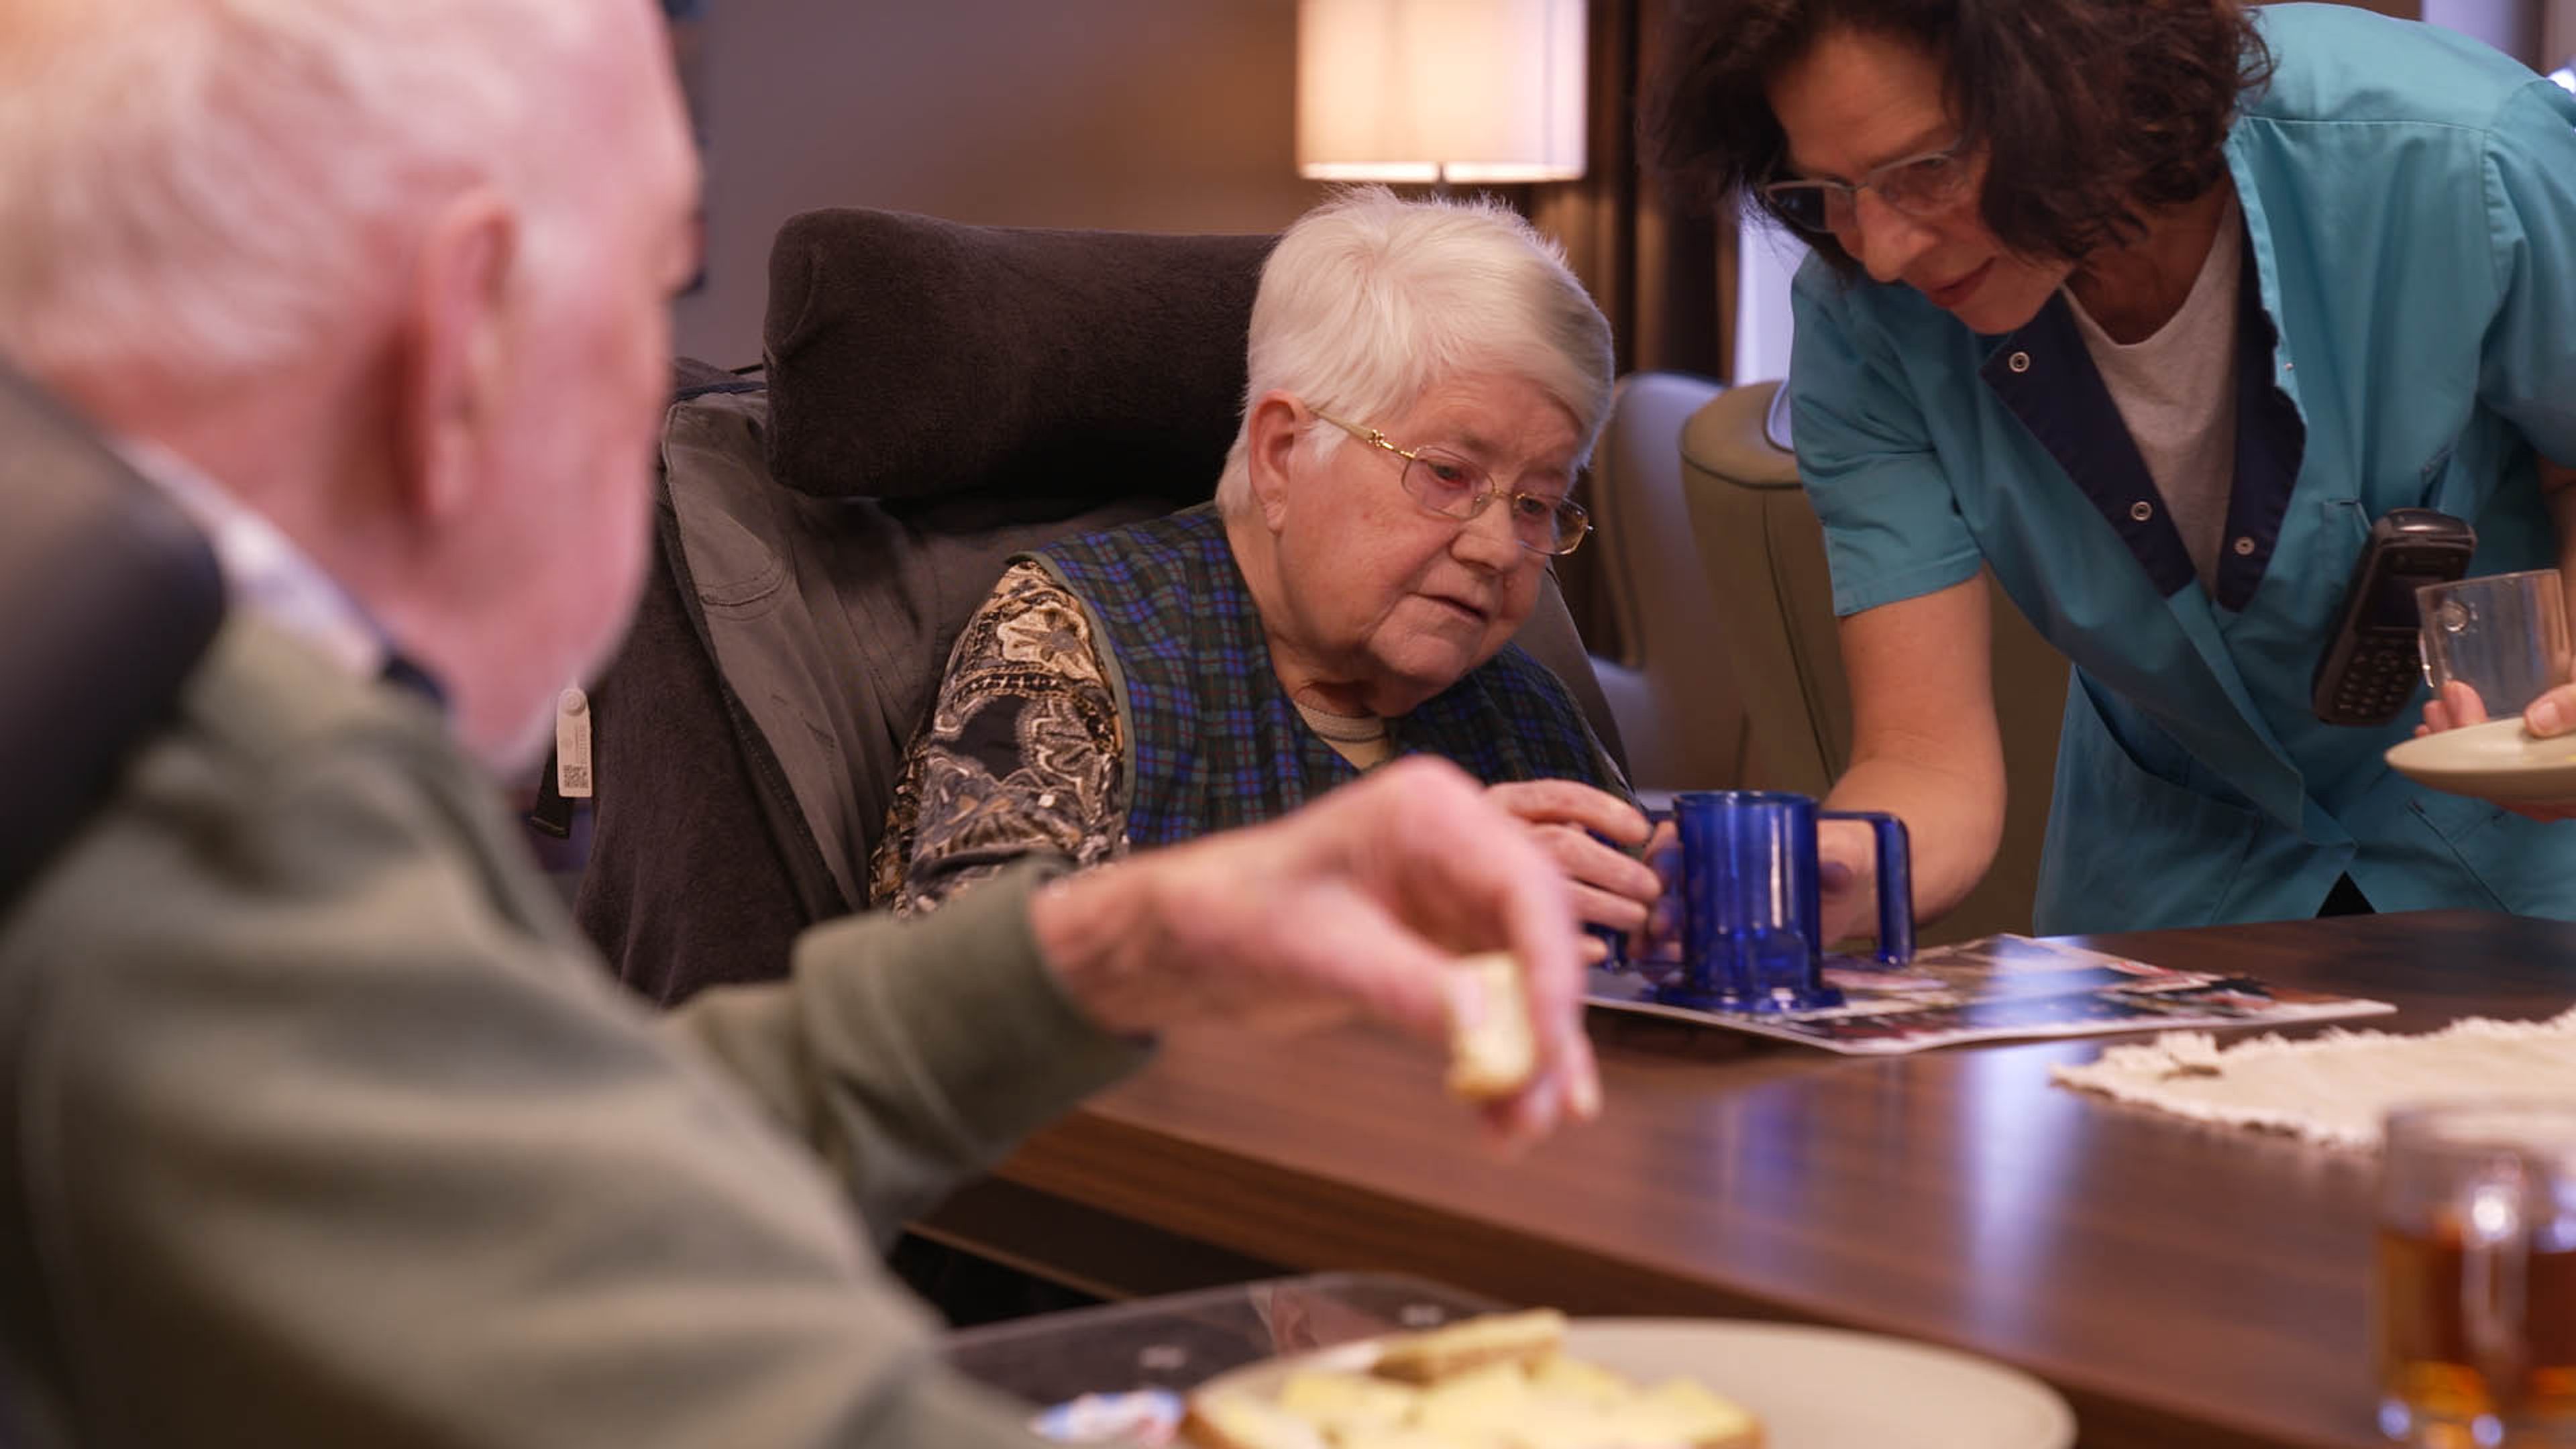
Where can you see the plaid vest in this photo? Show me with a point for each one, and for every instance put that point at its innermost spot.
(1213, 740)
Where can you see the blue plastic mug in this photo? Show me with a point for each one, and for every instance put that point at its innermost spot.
(1750, 906)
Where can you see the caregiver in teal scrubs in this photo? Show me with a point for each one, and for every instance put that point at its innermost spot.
(2153, 308)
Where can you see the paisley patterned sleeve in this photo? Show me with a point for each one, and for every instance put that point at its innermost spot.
(1020, 755)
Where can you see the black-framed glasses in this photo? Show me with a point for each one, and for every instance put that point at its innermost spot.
(1456, 487)
(1921, 187)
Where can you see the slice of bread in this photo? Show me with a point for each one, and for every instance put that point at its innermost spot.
(1496, 1382)
(1515, 1338)
(1492, 1056)
(1697, 1417)
(1490, 1402)
(1343, 1404)
(1571, 1378)
(1240, 1421)
(1396, 1438)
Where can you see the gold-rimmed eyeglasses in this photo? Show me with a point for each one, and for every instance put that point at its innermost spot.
(1921, 187)
(1456, 487)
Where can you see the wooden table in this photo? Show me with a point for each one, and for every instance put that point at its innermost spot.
(2181, 1284)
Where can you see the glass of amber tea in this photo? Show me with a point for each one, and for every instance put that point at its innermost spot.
(2474, 1301)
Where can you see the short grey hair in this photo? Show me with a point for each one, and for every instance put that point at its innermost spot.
(201, 188)
(1371, 300)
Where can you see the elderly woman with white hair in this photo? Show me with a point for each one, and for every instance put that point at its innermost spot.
(1425, 380)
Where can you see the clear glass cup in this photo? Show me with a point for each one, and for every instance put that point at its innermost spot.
(2473, 1305)
(2504, 636)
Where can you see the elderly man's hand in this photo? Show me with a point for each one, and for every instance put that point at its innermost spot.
(1361, 900)
(1568, 820)
(2553, 713)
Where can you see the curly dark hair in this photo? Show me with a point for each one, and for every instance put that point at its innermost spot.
(2089, 111)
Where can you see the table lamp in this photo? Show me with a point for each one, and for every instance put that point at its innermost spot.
(1443, 91)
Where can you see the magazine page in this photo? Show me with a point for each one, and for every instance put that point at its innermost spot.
(1995, 988)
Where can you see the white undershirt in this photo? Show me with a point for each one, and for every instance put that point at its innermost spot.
(2176, 391)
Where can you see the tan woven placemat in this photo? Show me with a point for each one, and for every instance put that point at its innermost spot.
(2334, 1087)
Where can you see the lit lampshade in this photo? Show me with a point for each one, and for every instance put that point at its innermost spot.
(1440, 90)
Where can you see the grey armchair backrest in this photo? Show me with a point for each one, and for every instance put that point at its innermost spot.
(1675, 685)
(1765, 556)
(111, 596)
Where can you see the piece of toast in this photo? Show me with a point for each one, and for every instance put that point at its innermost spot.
(1481, 1405)
(1703, 1419)
(1572, 1378)
(1550, 1405)
(1494, 1055)
(1342, 1404)
(1496, 1382)
(1240, 1421)
(1439, 1353)
(1396, 1438)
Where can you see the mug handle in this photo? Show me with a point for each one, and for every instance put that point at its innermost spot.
(1618, 961)
(2495, 1261)
(1895, 882)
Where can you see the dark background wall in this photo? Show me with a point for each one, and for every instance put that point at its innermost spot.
(1171, 115)
(1152, 114)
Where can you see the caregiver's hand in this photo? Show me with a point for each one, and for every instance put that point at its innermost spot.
(1846, 881)
(2552, 714)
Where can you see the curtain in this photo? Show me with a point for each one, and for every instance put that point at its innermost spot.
(1652, 267)
(1663, 275)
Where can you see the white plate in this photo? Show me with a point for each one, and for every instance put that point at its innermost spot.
(1813, 1388)
(2497, 761)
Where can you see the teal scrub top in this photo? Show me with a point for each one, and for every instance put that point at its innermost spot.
(2407, 338)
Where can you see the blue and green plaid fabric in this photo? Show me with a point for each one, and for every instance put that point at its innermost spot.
(1213, 739)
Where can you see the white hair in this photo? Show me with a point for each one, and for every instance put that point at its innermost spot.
(1370, 300)
(203, 187)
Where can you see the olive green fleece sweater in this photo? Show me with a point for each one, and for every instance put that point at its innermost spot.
(324, 1127)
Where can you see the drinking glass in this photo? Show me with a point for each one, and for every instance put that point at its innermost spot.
(2504, 636)
(2474, 1298)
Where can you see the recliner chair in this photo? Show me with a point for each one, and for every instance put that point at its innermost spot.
(112, 594)
(1765, 556)
(937, 396)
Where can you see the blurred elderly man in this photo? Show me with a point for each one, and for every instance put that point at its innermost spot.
(323, 1128)
(1425, 380)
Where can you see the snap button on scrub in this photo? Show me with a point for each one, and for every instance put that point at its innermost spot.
(2245, 547)
(2018, 362)
(2142, 510)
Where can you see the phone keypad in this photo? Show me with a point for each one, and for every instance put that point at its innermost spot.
(2378, 684)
